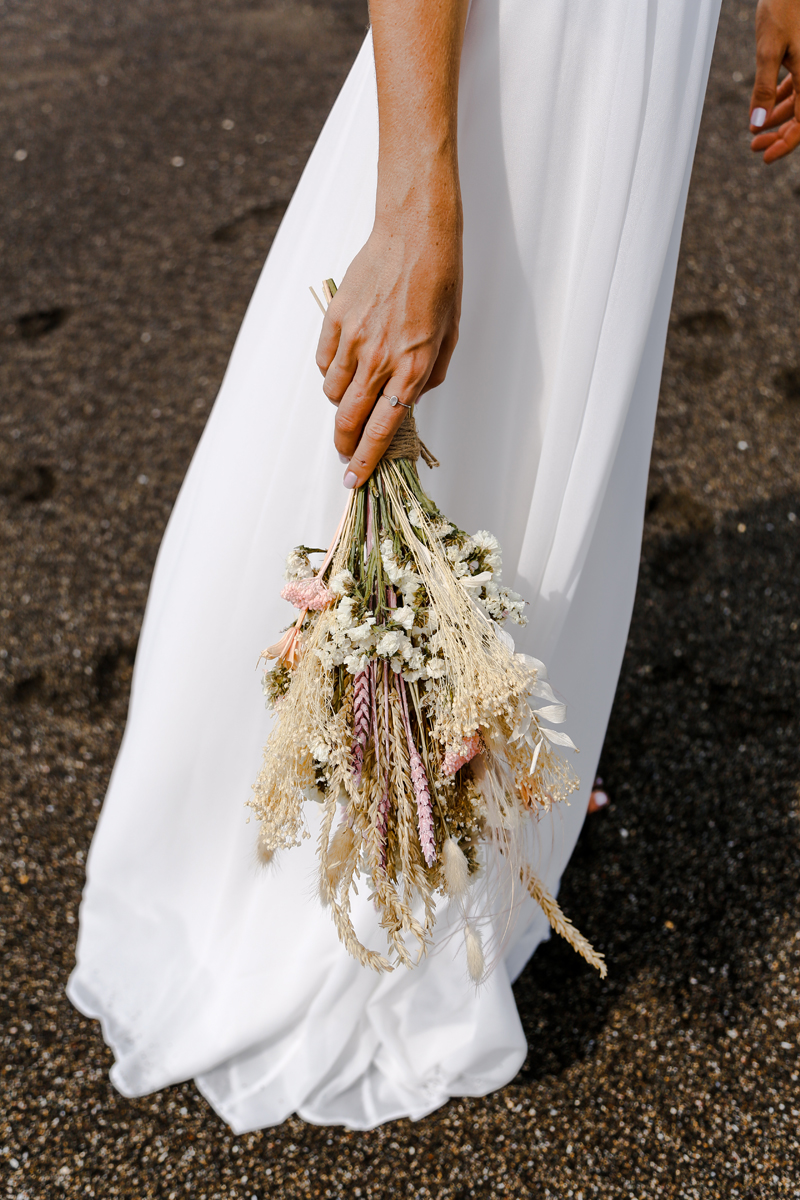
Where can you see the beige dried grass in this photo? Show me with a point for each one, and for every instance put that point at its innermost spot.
(562, 925)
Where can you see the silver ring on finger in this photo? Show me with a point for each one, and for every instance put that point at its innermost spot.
(395, 400)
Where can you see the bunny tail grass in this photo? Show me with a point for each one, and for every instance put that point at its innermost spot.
(456, 868)
(476, 964)
(264, 853)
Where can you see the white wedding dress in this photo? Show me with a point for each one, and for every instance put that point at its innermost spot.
(578, 122)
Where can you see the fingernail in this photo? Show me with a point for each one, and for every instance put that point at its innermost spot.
(343, 458)
(350, 480)
(758, 116)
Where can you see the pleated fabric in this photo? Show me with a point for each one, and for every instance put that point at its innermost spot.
(578, 121)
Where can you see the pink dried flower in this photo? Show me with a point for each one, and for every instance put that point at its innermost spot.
(455, 759)
(308, 593)
(288, 648)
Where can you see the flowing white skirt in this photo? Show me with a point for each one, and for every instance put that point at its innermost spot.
(578, 122)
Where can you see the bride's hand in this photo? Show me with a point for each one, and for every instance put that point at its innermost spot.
(392, 327)
(775, 110)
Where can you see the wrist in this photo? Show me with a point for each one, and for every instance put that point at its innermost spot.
(424, 188)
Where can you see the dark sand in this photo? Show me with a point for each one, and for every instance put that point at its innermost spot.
(148, 152)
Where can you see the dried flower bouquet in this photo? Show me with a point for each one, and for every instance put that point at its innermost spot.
(402, 708)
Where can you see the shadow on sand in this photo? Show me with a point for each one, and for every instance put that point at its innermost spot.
(697, 859)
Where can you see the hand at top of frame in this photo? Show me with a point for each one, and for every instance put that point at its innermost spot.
(774, 108)
(391, 328)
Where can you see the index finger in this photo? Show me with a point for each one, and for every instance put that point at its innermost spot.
(329, 338)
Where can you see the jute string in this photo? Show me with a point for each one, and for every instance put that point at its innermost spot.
(408, 444)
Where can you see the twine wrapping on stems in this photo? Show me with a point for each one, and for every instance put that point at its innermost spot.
(408, 444)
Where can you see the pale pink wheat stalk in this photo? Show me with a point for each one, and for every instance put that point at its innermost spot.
(361, 721)
(422, 791)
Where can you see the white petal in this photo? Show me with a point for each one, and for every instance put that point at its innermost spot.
(558, 738)
(505, 638)
(476, 581)
(522, 726)
(557, 713)
(536, 664)
(535, 758)
(543, 691)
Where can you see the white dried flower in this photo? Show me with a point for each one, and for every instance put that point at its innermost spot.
(488, 543)
(514, 606)
(392, 642)
(325, 656)
(362, 633)
(313, 793)
(344, 612)
(404, 616)
(436, 667)
(416, 661)
(356, 662)
(297, 566)
(390, 564)
(410, 588)
(342, 583)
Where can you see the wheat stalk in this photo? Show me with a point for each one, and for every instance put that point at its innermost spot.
(561, 924)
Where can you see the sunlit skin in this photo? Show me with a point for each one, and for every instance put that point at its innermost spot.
(777, 45)
(393, 325)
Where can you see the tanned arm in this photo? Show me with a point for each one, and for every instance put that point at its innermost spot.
(393, 324)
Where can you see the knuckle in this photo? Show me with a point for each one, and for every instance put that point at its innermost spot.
(421, 363)
(345, 423)
(352, 332)
(382, 429)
